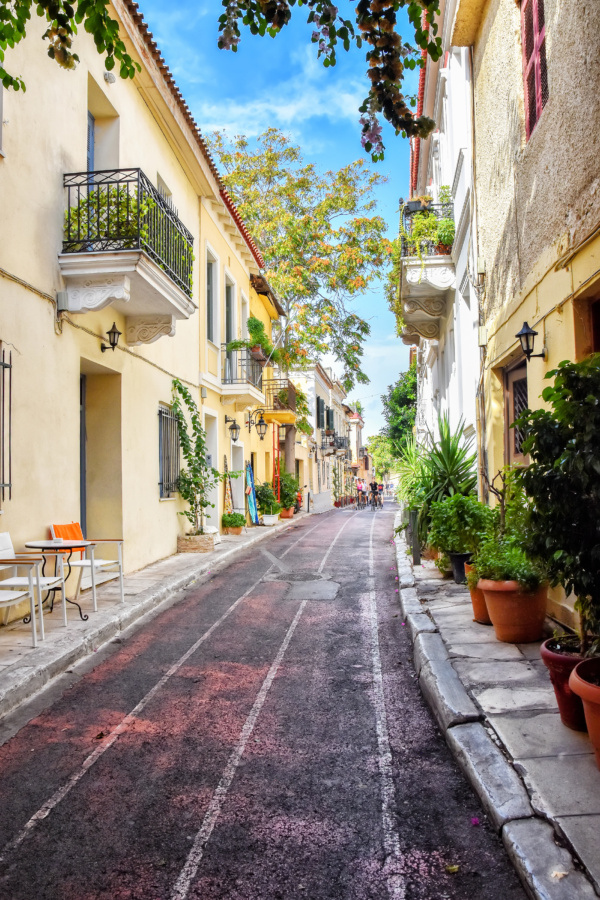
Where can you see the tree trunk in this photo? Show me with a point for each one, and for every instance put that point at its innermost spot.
(290, 449)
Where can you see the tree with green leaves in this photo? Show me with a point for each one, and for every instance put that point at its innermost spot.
(388, 56)
(322, 244)
(321, 241)
(63, 18)
(381, 451)
(399, 408)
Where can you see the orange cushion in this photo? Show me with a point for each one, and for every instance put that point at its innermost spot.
(70, 532)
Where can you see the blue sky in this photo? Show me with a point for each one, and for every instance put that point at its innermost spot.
(280, 83)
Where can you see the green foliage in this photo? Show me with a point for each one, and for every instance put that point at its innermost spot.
(563, 482)
(445, 195)
(288, 490)
(410, 468)
(504, 560)
(63, 18)
(381, 450)
(266, 500)
(233, 520)
(321, 242)
(197, 479)
(302, 412)
(399, 409)
(459, 524)
(257, 337)
(425, 233)
(387, 55)
(446, 231)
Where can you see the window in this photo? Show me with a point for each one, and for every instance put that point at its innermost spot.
(320, 412)
(516, 402)
(535, 73)
(229, 311)
(168, 452)
(210, 300)
(91, 141)
(330, 420)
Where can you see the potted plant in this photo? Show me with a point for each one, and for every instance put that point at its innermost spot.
(416, 203)
(288, 492)
(197, 479)
(458, 525)
(233, 522)
(445, 235)
(563, 483)
(267, 504)
(260, 347)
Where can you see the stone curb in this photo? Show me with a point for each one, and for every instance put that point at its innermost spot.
(547, 871)
(501, 791)
(23, 681)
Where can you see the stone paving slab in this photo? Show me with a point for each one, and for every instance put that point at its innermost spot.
(418, 623)
(582, 833)
(546, 869)
(538, 735)
(493, 779)
(518, 740)
(553, 794)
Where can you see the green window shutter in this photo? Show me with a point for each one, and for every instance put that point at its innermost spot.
(320, 412)
(330, 420)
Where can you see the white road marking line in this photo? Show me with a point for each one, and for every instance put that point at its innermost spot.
(331, 546)
(128, 720)
(188, 873)
(391, 840)
(283, 567)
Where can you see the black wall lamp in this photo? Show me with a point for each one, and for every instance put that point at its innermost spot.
(258, 420)
(527, 337)
(234, 428)
(113, 338)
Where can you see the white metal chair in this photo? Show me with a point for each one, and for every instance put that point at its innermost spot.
(13, 598)
(13, 561)
(73, 531)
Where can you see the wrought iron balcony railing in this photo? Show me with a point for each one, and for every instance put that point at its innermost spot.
(328, 442)
(280, 395)
(238, 367)
(121, 209)
(421, 223)
(341, 442)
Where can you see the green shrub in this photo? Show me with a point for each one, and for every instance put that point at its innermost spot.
(498, 560)
(233, 520)
(459, 524)
(266, 500)
(288, 490)
(446, 231)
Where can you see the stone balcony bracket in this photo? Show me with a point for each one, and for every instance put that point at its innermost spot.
(132, 284)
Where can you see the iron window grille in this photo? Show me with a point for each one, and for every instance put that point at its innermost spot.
(5, 425)
(519, 398)
(535, 72)
(120, 209)
(168, 452)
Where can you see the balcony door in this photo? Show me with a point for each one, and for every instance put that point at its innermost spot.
(229, 332)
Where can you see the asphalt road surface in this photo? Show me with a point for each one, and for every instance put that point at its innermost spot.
(262, 739)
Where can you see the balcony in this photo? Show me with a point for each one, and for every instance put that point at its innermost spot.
(428, 274)
(241, 379)
(124, 246)
(280, 401)
(341, 444)
(328, 443)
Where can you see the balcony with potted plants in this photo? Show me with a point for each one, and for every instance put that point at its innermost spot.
(243, 361)
(124, 246)
(280, 401)
(427, 269)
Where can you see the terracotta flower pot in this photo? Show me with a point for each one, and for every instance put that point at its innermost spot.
(560, 665)
(196, 543)
(480, 612)
(585, 682)
(237, 529)
(287, 513)
(517, 615)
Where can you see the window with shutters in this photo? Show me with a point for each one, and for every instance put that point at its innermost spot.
(168, 452)
(320, 412)
(330, 420)
(516, 403)
(535, 72)
(210, 299)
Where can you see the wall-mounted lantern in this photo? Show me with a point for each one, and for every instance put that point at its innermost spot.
(527, 337)
(258, 420)
(113, 338)
(234, 428)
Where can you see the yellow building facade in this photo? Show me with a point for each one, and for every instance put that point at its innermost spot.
(113, 212)
(537, 194)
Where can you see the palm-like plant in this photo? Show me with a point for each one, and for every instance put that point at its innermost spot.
(449, 468)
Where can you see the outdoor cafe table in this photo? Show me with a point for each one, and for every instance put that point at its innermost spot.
(70, 547)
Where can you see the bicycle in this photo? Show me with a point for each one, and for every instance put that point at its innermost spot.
(374, 501)
(361, 502)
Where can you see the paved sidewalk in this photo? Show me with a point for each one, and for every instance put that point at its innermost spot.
(25, 670)
(536, 779)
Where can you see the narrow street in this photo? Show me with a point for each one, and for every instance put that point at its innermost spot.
(263, 739)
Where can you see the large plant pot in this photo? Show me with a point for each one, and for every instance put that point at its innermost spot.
(480, 611)
(270, 520)
(560, 665)
(196, 543)
(585, 682)
(234, 530)
(287, 513)
(458, 561)
(517, 615)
